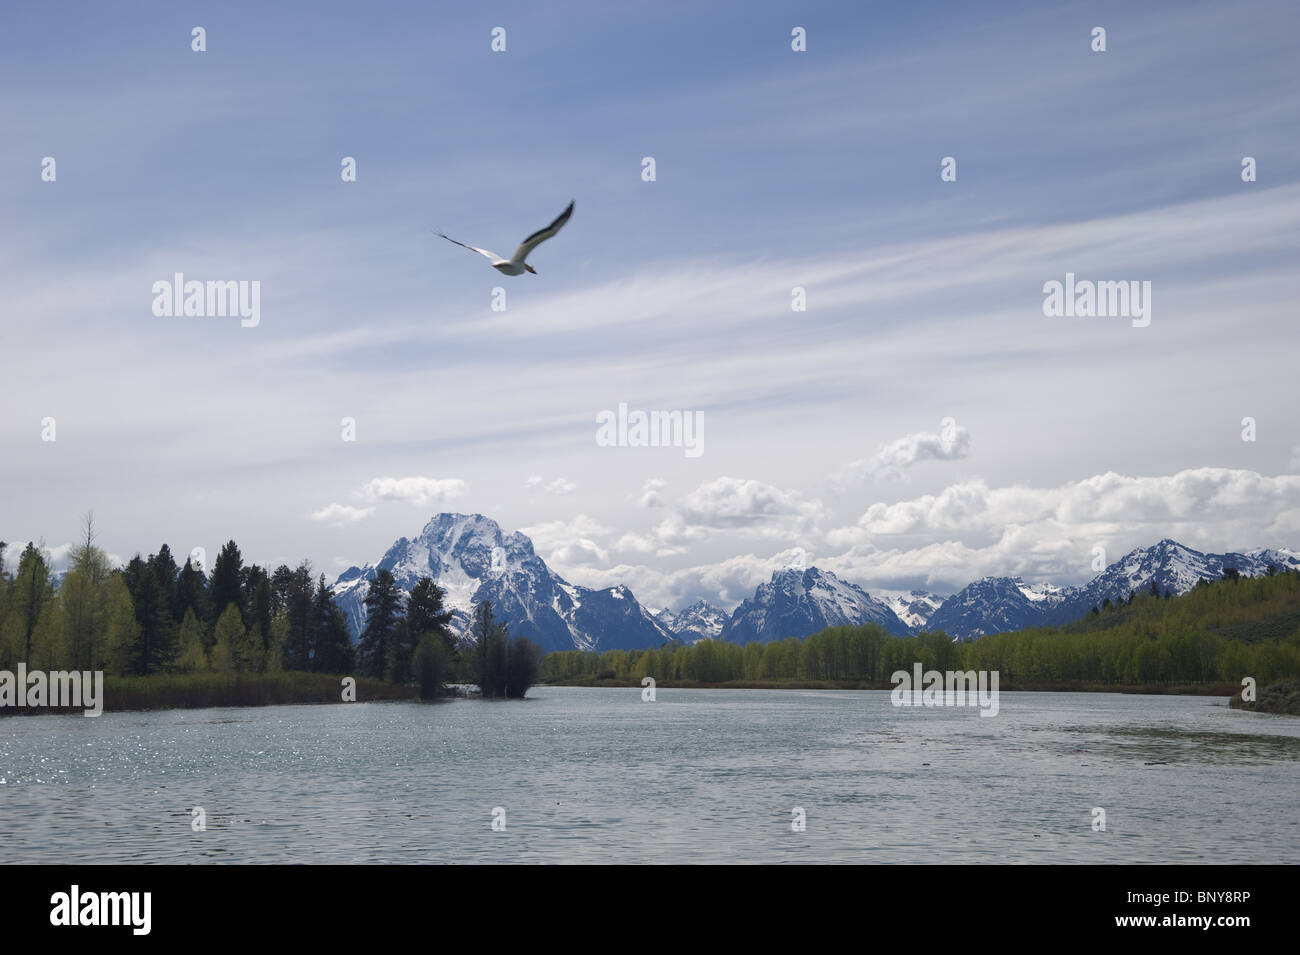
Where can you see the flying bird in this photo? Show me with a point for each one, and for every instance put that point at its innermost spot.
(516, 265)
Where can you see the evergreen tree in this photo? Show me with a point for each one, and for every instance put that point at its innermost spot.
(432, 665)
(257, 597)
(300, 613)
(34, 591)
(155, 643)
(333, 652)
(425, 615)
(383, 618)
(524, 662)
(192, 594)
(227, 575)
(165, 569)
(503, 667)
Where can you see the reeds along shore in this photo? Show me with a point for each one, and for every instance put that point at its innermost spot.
(203, 690)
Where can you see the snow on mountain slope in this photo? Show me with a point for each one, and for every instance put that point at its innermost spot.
(913, 607)
(798, 603)
(700, 621)
(470, 557)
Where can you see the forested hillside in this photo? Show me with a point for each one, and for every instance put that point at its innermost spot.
(1215, 634)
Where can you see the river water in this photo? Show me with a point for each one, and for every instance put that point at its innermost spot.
(597, 775)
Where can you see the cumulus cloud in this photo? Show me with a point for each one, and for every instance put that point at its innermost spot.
(418, 491)
(892, 458)
(650, 496)
(726, 505)
(558, 486)
(572, 543)
(970, 529)
(341, 514)
(729, 502)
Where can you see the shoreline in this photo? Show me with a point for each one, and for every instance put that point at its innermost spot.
(293, 688)
(1136, 689)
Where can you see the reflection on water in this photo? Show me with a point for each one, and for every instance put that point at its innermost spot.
(596, 775)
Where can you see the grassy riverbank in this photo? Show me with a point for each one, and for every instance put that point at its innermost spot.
(1155, 689)
(202, 690)
(1279, 698)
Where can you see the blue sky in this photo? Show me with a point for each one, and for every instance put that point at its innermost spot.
(775, 169)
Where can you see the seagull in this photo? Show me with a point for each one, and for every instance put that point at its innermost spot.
(516, 265)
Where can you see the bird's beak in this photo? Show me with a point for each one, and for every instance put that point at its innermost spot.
(530, 268)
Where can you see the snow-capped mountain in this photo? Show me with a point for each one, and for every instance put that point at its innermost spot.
(994, 605)
(470, 557)
(797, 603)
(999, 604)
(1173, 566)
(700, 621)
(913, 607)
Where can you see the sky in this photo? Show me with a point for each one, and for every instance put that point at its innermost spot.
(920, 423)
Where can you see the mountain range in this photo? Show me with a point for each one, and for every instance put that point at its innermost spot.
(472, 559)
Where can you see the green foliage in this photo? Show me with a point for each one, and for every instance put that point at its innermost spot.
(154, 646)
(431, 665)
(1217, 633)
(502, 666)
(333, 651)
(384, 621)
(237, 650)
(191, 657)
(227, 580)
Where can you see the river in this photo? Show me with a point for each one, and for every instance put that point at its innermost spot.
(598, 775)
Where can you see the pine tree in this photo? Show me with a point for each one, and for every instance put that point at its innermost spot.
(155, 643)
(33, 591)
(226, 586)
(490, 639)
(300, 613)
(258, 600)
(192, 594)
(384, 614)
(333, 651)
(425, 616)
(165, 569)
(432, 665)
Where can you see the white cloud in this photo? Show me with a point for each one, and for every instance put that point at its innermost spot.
(568, 544)
(729, 502)
(650, 496)
(558, 486)
(893, 457)
(419, 491)
(971, 529)
(341, 514)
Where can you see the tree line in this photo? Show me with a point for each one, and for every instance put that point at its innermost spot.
(1218, 632)
(156, 616)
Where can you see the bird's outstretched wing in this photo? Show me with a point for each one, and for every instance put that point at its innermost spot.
(473, 248)
(541, 235)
